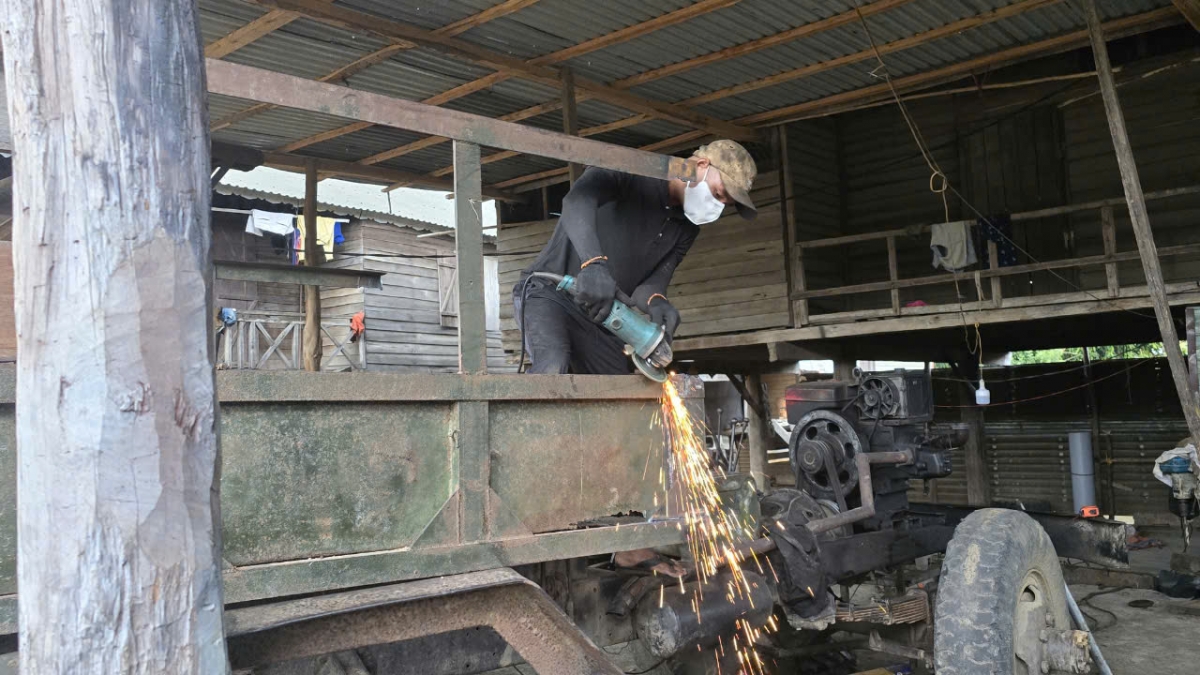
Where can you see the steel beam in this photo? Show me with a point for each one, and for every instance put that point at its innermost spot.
(518, 609)
(229, 270)
(256, 84)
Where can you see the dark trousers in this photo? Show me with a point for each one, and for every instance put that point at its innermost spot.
(561, 339)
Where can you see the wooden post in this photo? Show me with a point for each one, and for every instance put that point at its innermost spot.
(975, 459)
(893, 274)
(797, 310)
(312, 257)
(758, 433)
(472, 416)
(570, 117)
(116, 424)
(468, 226)
(1141, 220)
(1108, 226)
(994, 264)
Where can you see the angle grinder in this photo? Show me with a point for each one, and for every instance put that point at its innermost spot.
(645, 341)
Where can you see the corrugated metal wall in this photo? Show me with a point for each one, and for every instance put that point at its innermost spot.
(1025, 444)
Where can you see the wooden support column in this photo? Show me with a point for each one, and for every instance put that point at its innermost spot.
(1141, 220)
(1190, 10)
(994, 264)
(312, 257)
(793, 266)
(1108, 225)
(1093, 414)
(758, 432)
(975, 459)
(570, 118)
(472, 416)
(893, 274)
(116, 427)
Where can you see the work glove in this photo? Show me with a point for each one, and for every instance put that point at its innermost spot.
(663, 313)
(595, 290)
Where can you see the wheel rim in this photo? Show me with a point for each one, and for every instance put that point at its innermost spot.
(1034, 614)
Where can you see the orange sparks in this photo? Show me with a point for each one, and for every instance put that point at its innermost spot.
(712, 532)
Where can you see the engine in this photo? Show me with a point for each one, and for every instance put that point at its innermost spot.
(880, 412)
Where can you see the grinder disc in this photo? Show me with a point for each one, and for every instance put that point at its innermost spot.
(656, 374)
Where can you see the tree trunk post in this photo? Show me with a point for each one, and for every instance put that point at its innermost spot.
(758, 433)
(1141, 220)
(118, 461)
(313, 255)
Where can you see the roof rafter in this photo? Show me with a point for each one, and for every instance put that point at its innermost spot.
(1114, 29)
(1191, 10)
(362, 63)
(362, 22)
(807, 29)
(272, 20)
(949, 29)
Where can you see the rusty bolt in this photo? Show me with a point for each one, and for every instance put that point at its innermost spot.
(1049, 618)
(1044, 636)
(1045, 667)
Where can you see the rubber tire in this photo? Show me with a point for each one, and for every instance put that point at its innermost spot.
(992, 552)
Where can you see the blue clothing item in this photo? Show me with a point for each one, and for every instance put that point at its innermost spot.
(337, 234)
(998, 229)
(228, 316)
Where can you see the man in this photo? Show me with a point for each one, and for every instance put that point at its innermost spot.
(626, 232)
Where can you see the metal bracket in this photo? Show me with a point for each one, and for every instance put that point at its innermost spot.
(518, 609)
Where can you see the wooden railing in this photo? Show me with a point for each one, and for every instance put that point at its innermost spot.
(255, 343)
(995, 299)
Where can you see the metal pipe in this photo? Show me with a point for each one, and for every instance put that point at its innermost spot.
(1093, 647)
(866, 493)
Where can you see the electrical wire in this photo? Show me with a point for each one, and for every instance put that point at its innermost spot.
(1016, 379)
(643, 672)
(1052, 394)
(1085, 601)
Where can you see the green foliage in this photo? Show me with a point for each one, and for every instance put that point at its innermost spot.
(1105, 353)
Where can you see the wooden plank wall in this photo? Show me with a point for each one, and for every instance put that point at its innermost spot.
(230, 242)
(815, 166)
(404, 326)
(733, 278)
(1166, 144)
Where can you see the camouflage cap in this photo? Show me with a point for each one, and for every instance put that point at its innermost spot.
(737, 171)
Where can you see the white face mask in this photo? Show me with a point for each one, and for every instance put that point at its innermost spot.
(699, 204)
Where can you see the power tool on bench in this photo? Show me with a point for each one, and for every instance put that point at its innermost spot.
(645, 341)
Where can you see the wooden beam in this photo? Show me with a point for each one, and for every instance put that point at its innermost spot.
(376, 25)
(352, 68)
(1141, 220)
(379, 174)
(271, 21)
(468, 246)
(806, 30)
(116, 419)
(950, 318)
(839, 102)
(1190, 10)
(490, 14)
(1108, 231)
(255, 84)
(1061, 43)
(674, 69)
(950, 29)
(570, 118)
(313, 257)
(377, 56)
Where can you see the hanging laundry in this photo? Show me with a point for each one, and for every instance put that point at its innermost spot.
(357, 325)
(326, 236)
(337, 233)
(998, 229)
(952, 247)
(267, 222)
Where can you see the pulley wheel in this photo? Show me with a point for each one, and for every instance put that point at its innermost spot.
(820, 437)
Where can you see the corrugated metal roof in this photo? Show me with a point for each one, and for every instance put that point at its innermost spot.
(311, 49)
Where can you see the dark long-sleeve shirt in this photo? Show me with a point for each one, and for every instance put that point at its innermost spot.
(627, 218)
